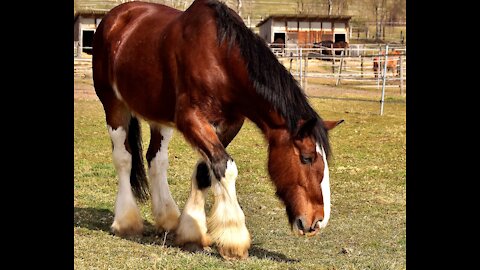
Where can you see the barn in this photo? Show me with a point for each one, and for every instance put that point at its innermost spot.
(304, 30)
(85, 23)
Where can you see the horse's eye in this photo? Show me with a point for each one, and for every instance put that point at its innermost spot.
(306, 160)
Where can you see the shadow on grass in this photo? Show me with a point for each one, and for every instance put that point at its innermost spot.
(256, 251)
(101, 219)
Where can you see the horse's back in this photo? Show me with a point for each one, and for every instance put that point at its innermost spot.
(153, 59)
(126, 53)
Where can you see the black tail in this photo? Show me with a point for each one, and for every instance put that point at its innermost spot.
(138, 177)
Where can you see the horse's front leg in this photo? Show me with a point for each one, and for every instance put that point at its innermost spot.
(226, 224)
(227, 221)
(191, 233)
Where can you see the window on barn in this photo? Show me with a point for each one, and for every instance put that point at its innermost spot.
(279, 38)
(316, 26)
(87, 41)
(339, 37)
(304, 26)
(326, 26)
(292, 26)
(339, 25)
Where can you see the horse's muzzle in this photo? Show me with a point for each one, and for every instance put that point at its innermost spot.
(300, 227)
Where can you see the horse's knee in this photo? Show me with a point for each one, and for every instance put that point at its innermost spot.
(219, 165)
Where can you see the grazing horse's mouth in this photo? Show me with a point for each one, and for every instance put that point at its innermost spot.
(299, 228)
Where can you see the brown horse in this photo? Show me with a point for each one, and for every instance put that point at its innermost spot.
(392, 63)
(203, 72)
(332, 45)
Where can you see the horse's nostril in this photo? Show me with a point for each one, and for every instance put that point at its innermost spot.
(316, 225)
(301, 224)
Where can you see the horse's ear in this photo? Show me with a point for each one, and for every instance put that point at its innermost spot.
(305, 128)
(331, 124)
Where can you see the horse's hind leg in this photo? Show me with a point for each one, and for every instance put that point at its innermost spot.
(165, 210)
(125, 134)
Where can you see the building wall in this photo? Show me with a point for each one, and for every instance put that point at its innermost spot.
(266, 31)
(303, 32)
(84, 23)
(76, 30)
(277, 27)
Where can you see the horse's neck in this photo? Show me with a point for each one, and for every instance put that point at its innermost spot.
(272, 125)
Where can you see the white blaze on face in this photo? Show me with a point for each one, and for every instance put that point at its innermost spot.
(325, 186)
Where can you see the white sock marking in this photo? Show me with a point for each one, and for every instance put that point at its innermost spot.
(122, 160)
(193, 223)
(227, 222)
(165, 210)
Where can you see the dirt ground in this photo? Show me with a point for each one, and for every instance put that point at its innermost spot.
(84, 91)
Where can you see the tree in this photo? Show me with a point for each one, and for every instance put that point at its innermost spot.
(239, 7)
(300, 6)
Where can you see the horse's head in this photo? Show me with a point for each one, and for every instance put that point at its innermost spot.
(298, 166)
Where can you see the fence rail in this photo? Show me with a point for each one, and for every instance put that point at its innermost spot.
(363, 64)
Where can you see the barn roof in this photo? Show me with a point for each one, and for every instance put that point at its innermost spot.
(93, 7)
(307, 17)
(87, 13)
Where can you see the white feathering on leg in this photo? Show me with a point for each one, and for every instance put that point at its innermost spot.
(227, 222)
(164, 207)
(127, 216)
(192, 227)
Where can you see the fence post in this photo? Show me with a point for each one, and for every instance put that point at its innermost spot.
(291, 60)
(297, 52)
(340, 69)
(301, 68)
(306, 72)
(333, 58)
(361, 66)
(382, 101)
(401, 74)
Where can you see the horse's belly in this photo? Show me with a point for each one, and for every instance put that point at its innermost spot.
(148, 98)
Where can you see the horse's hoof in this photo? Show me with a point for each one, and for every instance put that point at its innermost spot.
(233, 253)
(134, 229)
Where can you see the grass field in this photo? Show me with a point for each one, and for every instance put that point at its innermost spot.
(367, 229)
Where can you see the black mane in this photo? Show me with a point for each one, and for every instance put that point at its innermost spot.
(270, 78)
